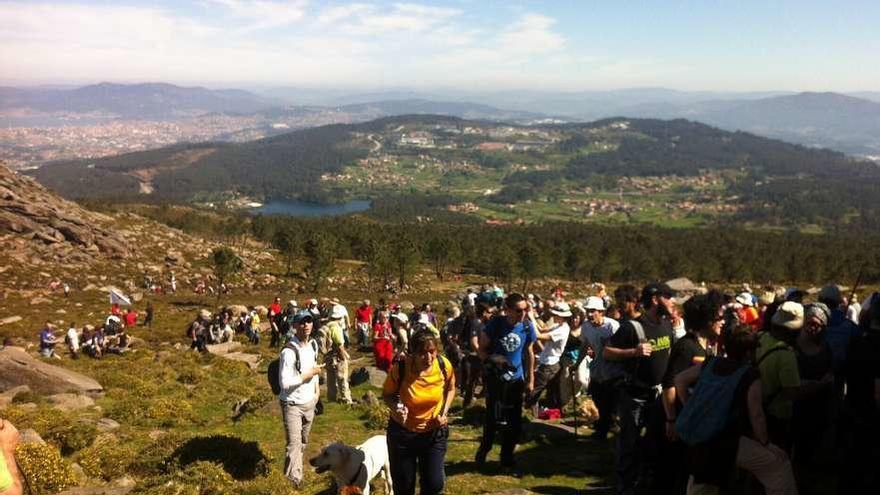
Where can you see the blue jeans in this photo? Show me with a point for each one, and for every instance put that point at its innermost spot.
(410, 452)
(635, 448)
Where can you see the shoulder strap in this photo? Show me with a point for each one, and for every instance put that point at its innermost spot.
(640, 330)
(297, 364)
(442, 363)
(401, 372)
(777, 348)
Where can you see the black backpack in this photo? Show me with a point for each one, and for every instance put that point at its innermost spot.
(273, 373)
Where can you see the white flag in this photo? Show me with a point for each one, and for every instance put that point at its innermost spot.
(117, 297)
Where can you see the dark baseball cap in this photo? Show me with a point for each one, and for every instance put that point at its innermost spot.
(302, 316)
(656, 289)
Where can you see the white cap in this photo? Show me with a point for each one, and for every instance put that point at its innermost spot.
(594, 302)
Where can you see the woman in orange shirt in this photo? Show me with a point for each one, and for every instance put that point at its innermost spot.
(419, 390)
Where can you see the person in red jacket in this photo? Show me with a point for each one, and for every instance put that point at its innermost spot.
(131, 318)
(363, 319)
(383, 342)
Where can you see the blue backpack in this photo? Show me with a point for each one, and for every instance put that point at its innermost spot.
(707, 412)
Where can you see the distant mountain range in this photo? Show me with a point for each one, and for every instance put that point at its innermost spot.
(142, 101)
(848, 123)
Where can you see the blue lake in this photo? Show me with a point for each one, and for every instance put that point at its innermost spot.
(297, 208)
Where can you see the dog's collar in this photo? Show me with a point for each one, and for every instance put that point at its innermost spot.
(356, 474)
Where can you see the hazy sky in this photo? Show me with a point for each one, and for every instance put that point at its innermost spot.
(478, 44)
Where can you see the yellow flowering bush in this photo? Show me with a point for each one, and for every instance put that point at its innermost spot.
(209, 477)
(42, 419)
(72, 437)
(170, 412)
(43, 468)
(106, 459)
(156, 457)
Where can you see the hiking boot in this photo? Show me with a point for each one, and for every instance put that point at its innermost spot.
(480, 457)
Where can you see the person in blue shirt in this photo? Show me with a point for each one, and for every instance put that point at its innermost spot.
(506, 349)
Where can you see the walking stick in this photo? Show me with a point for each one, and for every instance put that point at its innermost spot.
(574, 401)
(858, 282)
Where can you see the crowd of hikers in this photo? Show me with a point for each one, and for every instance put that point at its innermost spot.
(700, 391)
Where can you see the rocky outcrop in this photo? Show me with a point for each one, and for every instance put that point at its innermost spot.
(17, 367)
(29, 210)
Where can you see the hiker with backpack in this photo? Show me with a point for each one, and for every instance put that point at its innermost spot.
(643, 346)
(419, 391)
(703, 319)
(777, 362)
(337, 358)
(298, 391)
(811, 414)
(506, 349)
(723, 424)
(471, 368)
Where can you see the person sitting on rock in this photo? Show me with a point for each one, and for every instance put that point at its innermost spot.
(90, 342)
(48, 340)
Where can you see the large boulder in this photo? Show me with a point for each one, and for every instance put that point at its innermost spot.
(8, 396)
(682, 285)
(224, 348)
(251, 360)
(17, 367)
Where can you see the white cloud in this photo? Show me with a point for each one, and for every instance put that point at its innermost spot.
(344, 12)
(365, 20)
(360, 43)
(532, 34)
(264, 14)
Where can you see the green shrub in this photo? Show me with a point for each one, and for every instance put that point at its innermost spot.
(43, 468)
(72, 437)
(42, 419)
(157, 457)
(209, 477)
(376, 416)
(190, 376)
(106, 459)
(273, 483)
(166, 411)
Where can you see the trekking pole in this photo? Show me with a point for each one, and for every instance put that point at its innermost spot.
(858, 282)
(574, 401)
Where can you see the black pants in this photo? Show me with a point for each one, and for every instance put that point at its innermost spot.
(504, 402)
(605, 397)
(470, 371)
(546, 378)
(410, 452)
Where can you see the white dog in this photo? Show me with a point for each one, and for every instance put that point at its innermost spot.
(354, 467)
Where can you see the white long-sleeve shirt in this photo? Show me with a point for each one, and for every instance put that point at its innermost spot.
(293, 389)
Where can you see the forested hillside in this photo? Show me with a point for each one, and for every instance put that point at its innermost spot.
(671, 173)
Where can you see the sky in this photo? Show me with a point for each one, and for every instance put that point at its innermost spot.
(564, 45)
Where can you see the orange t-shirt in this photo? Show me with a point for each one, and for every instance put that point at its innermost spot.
(422, 394)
